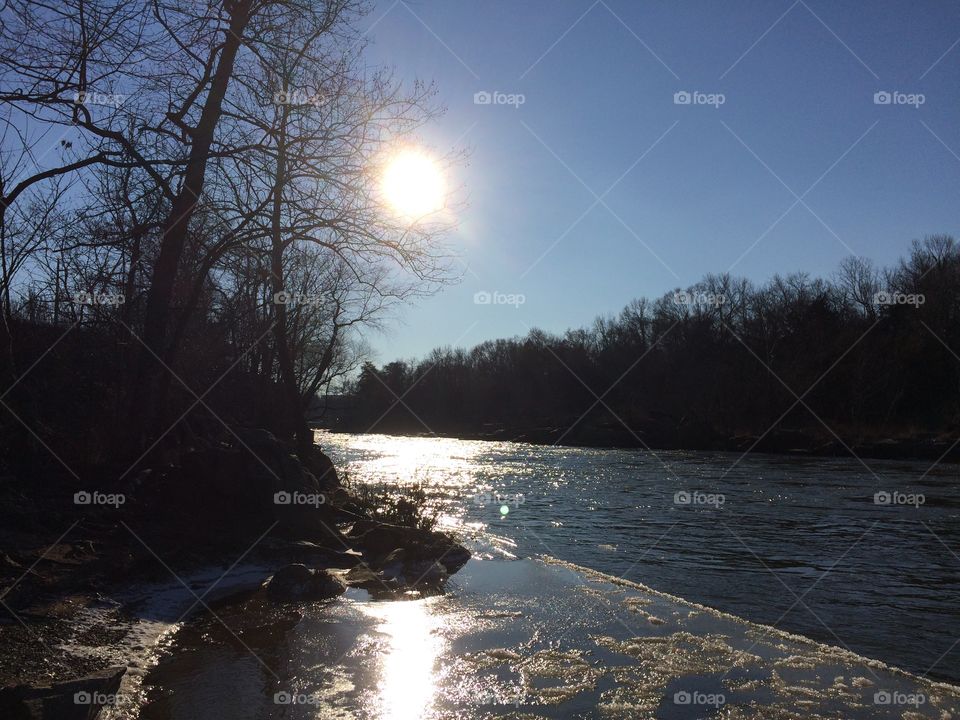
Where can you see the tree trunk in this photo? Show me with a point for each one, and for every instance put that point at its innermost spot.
(6, 308)
(293, 409)
(152, 381)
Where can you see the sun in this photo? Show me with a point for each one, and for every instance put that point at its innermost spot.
(413, 184)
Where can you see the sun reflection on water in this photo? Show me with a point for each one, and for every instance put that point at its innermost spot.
(433, 461)
(453, 474)
(407, 677)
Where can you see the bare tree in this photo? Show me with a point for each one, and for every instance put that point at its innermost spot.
(859, 282)
(201, 160)
(328, 125)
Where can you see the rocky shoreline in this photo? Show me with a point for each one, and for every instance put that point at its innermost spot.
(248, 503)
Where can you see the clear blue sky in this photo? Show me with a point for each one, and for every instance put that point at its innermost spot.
(598, 80)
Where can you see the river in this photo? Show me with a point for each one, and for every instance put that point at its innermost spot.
(858, 554)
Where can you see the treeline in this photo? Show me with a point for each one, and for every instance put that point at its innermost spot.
(796, 362)
(191, 220)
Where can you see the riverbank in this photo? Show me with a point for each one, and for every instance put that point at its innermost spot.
(520, 639)
(503, 636)
(84, 608)
(523, 639)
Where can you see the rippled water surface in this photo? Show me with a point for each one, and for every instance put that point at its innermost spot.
(800, 543)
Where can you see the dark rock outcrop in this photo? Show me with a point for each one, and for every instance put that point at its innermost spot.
(322, 467)
(370, 580)
(396, 577)
(379, 540)
(296, 582)
(251, 483)
(273, 550)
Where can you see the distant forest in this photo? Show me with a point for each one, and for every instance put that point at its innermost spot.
(868, 355)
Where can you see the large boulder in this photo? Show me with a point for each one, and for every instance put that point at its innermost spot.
(373, 581)
(412, 570)
(398, 574)
(253, 482)
(316, 469)
(297, 582)
(425, 573)
(322, 468)
(379, 540)
(300, 492)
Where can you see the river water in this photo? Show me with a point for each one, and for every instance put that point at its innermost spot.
(863, 555)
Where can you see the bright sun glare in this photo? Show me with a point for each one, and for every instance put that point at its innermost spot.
(413, 184)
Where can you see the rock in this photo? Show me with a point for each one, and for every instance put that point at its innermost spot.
(305, 516)
(322, 467)
(273, 549)
(79, 699)
(252, 483)
(290, 577)
(368, 579)
(428, 573)
(316, 471)
(399, 555)
(399, 570)
(398, 579)
(454, 558)
(298, 582)
(7, 562)
(392, 566)
(380, 540)
(299, 499)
